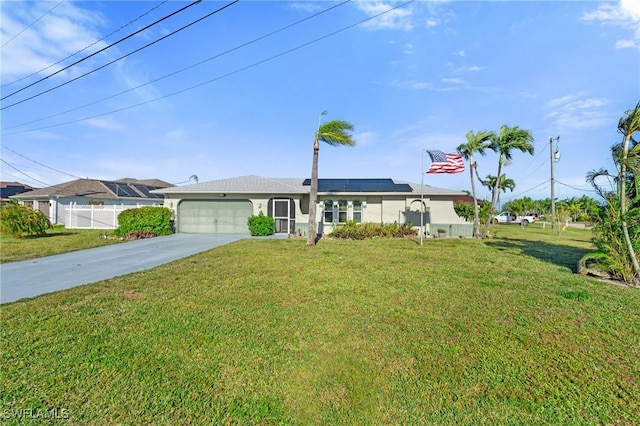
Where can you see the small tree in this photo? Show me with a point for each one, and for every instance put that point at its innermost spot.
(20, 221)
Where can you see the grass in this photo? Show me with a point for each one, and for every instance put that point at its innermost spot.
(264, 332)
(57, 240)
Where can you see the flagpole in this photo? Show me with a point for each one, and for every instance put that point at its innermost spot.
(422, 199)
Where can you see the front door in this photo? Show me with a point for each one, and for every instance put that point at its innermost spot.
(282, 214)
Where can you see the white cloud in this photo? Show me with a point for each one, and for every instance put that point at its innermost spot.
(574, 111)
(32, 44)
(625, 14)
(305, 6)
(417, 85)
(366, 138)
(408, 49)
(453, 81)
(398, 19)
(474, 68)
(103, 124)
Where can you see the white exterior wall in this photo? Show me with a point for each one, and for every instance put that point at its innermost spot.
(387, 208)
(441, 211)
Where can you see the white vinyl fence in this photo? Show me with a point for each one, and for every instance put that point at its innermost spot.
(95, 216)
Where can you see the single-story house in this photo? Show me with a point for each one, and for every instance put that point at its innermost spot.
(8, 189)
(223, 206)
(92, 203)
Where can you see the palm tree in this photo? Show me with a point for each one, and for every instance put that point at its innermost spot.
(504, 184)
(333, 133)
(508, 139)
(628, 126)
(476, 143)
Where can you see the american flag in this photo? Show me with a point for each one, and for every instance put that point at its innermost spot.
(445, 163)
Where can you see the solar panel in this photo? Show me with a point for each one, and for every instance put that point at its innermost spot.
(111, 186)
(125, 190)
(360, 185)
(145, 191)
(121, 189)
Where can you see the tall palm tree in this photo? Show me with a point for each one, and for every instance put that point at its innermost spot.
(333, 133)
(507, 139)
(476, 143)
(628, 126)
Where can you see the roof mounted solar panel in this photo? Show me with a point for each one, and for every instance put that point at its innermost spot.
(360, 185)
(145, 190)
(121, 189)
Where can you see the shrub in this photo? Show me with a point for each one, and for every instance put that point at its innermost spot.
(139, 235)
(19, 221)
(145, 219)
(261, 225)
(355, 231)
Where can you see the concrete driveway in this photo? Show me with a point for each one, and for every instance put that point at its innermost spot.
(34, 277)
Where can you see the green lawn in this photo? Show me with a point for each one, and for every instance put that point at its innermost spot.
(58, 240)
(374, 332)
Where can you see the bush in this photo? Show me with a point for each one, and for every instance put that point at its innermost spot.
(156, 220)
(355, 231)
(20, 221)
(261, 225)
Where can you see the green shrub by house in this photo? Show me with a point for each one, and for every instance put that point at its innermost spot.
(355, 231)
(145, 219)
(20, 221)
(261, 225)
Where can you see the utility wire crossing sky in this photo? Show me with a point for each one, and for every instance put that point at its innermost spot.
(220, 89)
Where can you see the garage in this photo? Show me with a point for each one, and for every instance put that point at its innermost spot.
(214, 216)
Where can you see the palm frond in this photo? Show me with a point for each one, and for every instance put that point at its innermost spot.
(335, 133)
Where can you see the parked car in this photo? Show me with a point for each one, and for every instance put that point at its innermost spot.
(507, 217)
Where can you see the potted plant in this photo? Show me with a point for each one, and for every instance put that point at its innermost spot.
(442, 232)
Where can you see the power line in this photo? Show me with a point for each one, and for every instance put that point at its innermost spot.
(182, 69)
(124, 56)
(40, 164)
(23, 173)
(87, 47)
(300, 46)
(97, 52)
(575, 187)
(32, 24)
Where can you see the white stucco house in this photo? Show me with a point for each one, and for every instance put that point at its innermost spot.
(223, 206)
(92, 203)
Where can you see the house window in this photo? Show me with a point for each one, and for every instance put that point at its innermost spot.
(342, 211)
(328, 211)
(357, 211)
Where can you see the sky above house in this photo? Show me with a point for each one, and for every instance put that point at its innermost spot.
(110, 89)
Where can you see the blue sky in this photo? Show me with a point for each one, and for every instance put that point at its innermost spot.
(208, 101)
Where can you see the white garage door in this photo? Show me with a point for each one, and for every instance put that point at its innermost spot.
(215, 217)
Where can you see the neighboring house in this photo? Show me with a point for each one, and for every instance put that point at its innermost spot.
(223, 206)
(8, 189)
(92, 203)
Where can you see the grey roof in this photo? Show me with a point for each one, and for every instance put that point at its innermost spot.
(88, 188)
(250, 184)
(253, 184)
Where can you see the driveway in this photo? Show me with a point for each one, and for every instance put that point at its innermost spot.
(34, 277)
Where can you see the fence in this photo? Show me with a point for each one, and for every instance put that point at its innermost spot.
(95, 216)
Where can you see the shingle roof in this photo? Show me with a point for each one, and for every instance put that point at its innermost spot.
(156, 183)
(253, 184)
(250, 184)
(88, 188)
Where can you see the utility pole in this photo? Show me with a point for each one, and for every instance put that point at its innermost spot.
(554, 156)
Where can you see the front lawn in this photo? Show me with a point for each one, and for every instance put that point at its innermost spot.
(57, 240)
(459, 331)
